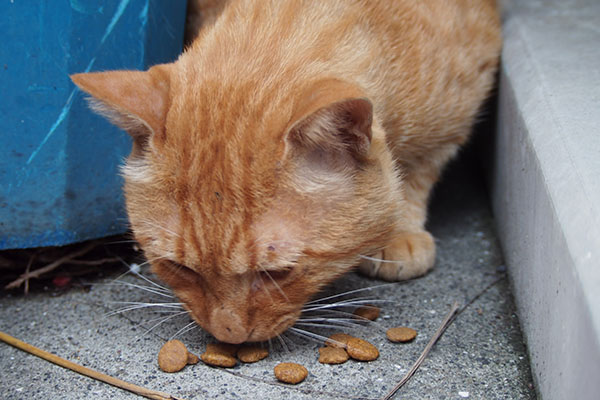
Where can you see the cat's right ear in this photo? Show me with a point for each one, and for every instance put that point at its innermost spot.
(136, 101)
(334, 117)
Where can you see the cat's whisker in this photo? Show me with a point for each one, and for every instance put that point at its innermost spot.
(150, 281)
(129, 268)
(327, 313)
(185, 329)
(172, 304)
(265, 288)
(326, 319)
(292, 343)
(134, 305)
(352, 301)
(130, 308)
(149, 261)
(349, 303)
(380, 259)
(134, 268)
(352, 292)
(342, 314)
(159, 292)
(341, 322)
(326, 326)
(173, 312)
(158, 226)
(315, 337)
(116, 312)
(358, 321)
(162, 321)
(283, 344)
(275, 284)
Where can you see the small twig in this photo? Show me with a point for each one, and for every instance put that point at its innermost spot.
(436, 336)
(454, 312)
(51, 266)
(29, 264)
(148, 393)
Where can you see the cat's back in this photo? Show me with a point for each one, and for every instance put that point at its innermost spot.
(420, 62)
(332, 33)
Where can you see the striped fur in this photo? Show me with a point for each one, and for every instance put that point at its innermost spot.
(290, 138)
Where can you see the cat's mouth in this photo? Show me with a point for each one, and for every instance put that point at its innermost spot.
(231, 330)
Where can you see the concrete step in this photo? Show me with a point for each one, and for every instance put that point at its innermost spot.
(545, 187)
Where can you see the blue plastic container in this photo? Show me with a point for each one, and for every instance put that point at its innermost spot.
(59, 179)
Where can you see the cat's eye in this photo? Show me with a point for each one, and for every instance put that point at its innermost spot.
(276, 274)
(178, 267)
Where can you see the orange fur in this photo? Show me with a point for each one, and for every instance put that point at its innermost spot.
(291, 138)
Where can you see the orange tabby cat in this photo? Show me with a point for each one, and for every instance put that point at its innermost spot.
(292, 139)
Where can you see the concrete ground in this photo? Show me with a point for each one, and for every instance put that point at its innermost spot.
(481, 355)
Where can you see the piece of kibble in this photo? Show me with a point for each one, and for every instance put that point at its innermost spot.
(250, 354)
(219, 359)
(338, 338)
(401, 334)
(367, 311)
(192, 359)
(220, 355)
(332, 355)
(290, 372)
(173, 356)
(361, 350)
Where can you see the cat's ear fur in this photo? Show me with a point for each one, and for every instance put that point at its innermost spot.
(335, 117)
(136, 101)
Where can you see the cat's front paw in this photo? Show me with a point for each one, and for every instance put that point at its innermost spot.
(409, 255)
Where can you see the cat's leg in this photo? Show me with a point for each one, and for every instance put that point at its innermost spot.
(411, 252)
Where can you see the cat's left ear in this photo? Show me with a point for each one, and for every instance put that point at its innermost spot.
(137, 101)
(334, 117)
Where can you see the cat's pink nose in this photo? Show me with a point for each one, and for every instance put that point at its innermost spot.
(227, 326)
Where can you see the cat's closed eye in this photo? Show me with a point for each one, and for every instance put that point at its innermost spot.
(276, 274)
(181, 269)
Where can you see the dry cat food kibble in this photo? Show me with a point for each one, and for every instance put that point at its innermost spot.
(173, 356)
(219, 360)
(290, 372)
(220, 355)
(368, 311)
(332, 355)
(337, 338)
(192, 359)
(250, 354)
(361, 350)
(401, 334)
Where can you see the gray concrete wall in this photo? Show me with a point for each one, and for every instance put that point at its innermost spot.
(546, 187)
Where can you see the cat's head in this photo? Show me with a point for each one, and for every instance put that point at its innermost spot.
(248, 198)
